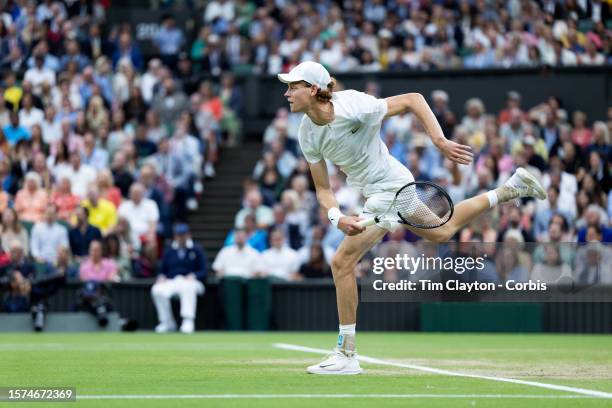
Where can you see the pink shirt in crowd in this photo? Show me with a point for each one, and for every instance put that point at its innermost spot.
(104, 271)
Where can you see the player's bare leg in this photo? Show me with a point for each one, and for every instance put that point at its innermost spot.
(343, 360)
(521, 184)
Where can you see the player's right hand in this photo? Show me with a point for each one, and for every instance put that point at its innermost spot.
(349, 224)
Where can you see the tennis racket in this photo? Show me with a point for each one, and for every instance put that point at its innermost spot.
(420, 204)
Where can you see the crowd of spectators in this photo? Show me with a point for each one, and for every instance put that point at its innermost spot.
(377, 35)
(102, 150)
(571, 155)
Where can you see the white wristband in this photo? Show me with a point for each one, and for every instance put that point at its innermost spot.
(334, 214)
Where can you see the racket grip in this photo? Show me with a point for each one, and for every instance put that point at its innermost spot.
(368, 222)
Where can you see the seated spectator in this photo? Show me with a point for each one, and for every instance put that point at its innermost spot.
(31, 201)
(122, 176)
(544, 212)
(144, 146)
(149, 180)
(294, 213)
(516, 221)
(316, 266)
(48, 236)
(39, 165)
(142, 213)
(556, 229)
(30, 115)
(94, 272)
(183, 271)
(93, 156)
(127, 50)
(307, 199)
(80, 175)
(17, 298)
(256, 238)
(593, 217)
(581, 135)
(279, 261)
(64, 200)
(292, 232)
(65, 265)
(121, 254)
(551, 269)
(11, 230)
(82, 234)
(593, 259)
(102, 213)
(172, 166)
(8, 182)
(238, 259)
(29, 292)
(107, 189)
(14, 132)
(97, 268)
(508, 266)
(263, 214)
(129, 243)
(20, 273)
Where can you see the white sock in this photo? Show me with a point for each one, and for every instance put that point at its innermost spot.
(347, 329)
(493, 199)
(346, 339)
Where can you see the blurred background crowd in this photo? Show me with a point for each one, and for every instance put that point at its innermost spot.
(103, 148)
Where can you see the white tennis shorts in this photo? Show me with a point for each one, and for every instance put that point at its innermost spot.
(380, 195)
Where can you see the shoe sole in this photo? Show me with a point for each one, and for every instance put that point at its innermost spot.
(323, 372)
(532, 182)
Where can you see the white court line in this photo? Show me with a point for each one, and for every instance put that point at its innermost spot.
(280, 396)
(583, 391)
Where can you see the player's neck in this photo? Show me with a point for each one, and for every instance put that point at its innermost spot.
(321, 113)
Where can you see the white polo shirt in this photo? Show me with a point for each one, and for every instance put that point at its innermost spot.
(280, 263)
(139, 216)
(352, 141)
(232, 261)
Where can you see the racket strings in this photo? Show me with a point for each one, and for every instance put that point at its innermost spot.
(423, 205)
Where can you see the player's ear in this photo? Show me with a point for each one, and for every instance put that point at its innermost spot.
(313, 90)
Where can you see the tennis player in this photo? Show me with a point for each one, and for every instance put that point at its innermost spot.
(344, 128)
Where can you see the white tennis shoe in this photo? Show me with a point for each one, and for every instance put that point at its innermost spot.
(337, 363)
(521, 184)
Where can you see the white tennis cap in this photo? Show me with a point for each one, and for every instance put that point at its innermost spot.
(309, 71)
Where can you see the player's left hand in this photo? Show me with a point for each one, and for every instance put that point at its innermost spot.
(456, 152)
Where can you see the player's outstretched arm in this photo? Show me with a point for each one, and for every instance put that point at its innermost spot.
(416, 103)
(347, 224)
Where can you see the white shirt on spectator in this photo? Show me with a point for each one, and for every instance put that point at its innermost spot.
(233, 261)
(81, 178)
(27, 119)
(38, 76)
(216, 9)
(47, 239)
(280, 263)
(263, 216)
(51, 131)
(597, 59)
(139, 216)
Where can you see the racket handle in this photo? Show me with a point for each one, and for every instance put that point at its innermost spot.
(368, 222)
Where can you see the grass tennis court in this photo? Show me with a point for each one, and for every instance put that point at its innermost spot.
(216, 369)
